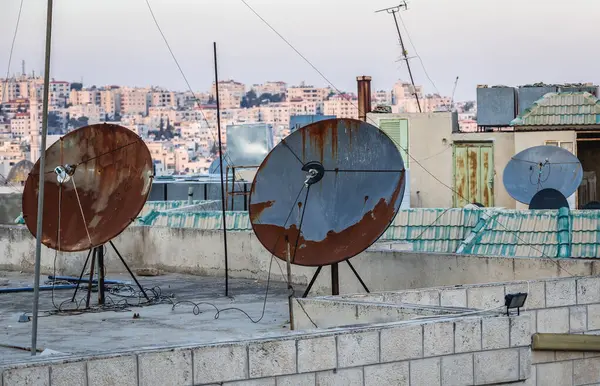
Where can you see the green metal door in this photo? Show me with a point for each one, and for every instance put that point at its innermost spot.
(397, 130)
(473, 173)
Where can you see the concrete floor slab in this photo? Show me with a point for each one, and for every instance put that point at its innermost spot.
(158, 325)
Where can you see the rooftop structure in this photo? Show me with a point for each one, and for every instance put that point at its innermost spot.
(557, 111)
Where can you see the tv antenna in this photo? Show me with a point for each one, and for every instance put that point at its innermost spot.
(96, 179)
(541, 168)
(325, 194)
(393, 11)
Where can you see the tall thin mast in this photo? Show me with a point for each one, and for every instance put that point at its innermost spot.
(221, 169)
(393, 11)
(40, 210)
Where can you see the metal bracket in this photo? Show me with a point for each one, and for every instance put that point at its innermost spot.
(315, 170)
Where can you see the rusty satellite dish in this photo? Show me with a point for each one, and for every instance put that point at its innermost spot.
(327, 192)
(542, 167)
(102, 175)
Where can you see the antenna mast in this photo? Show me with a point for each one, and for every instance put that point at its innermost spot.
(451, 107)
(393, 11)
(40, 210)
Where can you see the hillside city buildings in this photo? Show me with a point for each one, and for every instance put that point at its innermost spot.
(180, 127)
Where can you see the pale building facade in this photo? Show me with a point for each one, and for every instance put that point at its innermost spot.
(84, 97)
(272, 88)
(94, 113)
(110, 101)
(135, 101)
(230, 93)
(342, 106)
(307, 93)
(163, 98)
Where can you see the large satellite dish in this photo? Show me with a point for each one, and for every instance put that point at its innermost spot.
(542, 167)
(327, 192)
(102, 175)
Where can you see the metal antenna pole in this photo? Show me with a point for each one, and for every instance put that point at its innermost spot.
(393, 11)
(40, 209)
(221, 169)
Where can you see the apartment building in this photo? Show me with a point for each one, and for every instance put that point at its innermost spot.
(20, 125)
(307, 93)
(270, 88)
(94, 113)
(110, 101)
(230, 93)
(382, 97)
(135, 101)
(21, 87)
(342, 106)
(85, 97)
(275, 114)
(404, 91)
(302, 107)
(163, 98)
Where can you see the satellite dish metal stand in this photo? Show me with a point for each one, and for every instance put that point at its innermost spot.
(335, 279)
(97, 254)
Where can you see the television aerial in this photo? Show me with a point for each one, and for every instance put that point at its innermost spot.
(326, 193)
(97, 179)
(542, 167)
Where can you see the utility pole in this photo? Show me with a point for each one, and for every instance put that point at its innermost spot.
(393, 11)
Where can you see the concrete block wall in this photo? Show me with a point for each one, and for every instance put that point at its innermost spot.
(433, 353)
(569, 305)
(200, 252)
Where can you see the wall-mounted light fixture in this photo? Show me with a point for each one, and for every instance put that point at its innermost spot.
(517, 301)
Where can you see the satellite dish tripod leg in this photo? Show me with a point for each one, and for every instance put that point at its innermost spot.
(89, 292)
(81, 275)
(100, 259)
(358, 276)
(312, 281)
(129, 270)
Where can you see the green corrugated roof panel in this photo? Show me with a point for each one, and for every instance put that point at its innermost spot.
(517, 233)
(209, 220)
(432, 230)
(556, 109)
(165, 205)
(585, 234)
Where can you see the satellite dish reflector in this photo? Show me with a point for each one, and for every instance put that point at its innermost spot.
(327, 192)
(548, 199)
(97, 178)
(539, 168)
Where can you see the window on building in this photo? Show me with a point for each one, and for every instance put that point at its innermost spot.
(564, 144)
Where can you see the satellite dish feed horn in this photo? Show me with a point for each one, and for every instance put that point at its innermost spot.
(326, 193)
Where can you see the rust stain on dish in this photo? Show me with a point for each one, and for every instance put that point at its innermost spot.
(257, 209)
(113, 177)
(336, 246)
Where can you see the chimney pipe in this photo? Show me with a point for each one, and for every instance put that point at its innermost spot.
(364, 96)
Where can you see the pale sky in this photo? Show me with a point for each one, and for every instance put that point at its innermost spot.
(507, 42)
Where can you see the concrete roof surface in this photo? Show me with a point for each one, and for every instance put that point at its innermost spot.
(158, 325)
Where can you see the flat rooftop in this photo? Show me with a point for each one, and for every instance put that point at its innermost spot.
(89, 333)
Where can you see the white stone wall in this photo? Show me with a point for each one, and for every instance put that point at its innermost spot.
(568, 305)
(419, 354)
(200, 252)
